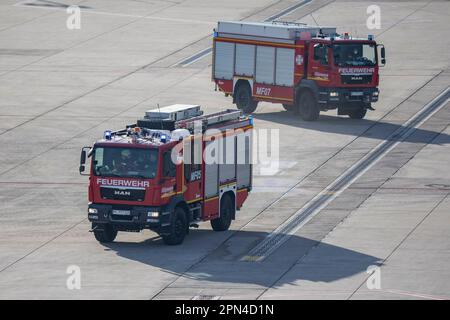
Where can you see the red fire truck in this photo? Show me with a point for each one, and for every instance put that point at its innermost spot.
(169, 171)
(306, 68)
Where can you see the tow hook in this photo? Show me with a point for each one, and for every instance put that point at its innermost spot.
(93, 229)
(370, 108)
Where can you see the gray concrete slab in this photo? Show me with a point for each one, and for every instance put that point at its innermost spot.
(60, 89)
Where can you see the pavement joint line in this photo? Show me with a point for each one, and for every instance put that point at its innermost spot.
(42, 245)
(104, 85)
(281, 234)
(98, 124)
(206, 297)
(200, 53)
(353, 210)
(320, 166)
(403, 19)
(381, 187)
(86, 10)
(121, 77)
(42, 183)
(205, 52)
(87, 40)
(70, 47)
(24, 22)
(402, 241)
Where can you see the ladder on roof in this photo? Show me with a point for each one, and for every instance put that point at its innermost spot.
(289, 23)
(210, 119)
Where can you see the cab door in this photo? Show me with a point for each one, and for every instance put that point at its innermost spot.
(318, 63)
(168, 176)
(192, 170)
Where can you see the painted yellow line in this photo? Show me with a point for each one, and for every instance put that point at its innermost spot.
(227, 184)
(318, 79)
(273, 98)
(213, 198)
(166, 195)
(194, 200)
(227, 133)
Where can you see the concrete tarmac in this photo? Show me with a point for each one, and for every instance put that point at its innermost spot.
(60, 89)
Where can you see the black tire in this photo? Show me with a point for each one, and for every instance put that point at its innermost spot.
(288, 107)
(357, 114)
(244, 100)
(307, 106)
(223, 222)
(104, 233)
(178, 228)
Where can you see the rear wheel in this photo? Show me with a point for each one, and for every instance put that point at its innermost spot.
(104, 233)
(178, 227)
(244, 100)
(307, 106)
(358, 113)
(223, 222)
(288, 107)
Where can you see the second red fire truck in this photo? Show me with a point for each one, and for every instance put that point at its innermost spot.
(308, 69)
(169, 171)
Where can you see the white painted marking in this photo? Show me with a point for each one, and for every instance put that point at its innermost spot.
(280, 235)
(187, 61)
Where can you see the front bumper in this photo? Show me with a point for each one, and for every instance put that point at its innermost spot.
(137, 219)
(337, 97)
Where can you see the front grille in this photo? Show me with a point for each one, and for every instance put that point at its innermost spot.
(122, 194)
(356, 79)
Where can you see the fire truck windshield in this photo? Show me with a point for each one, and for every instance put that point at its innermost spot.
(354, 54)
(125, 162)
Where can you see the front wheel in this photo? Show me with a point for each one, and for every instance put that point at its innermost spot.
(178, 227)
(223, 222)
(244, 100)
(358, 114)
(288, 107)
(307, 106)
(104, 233)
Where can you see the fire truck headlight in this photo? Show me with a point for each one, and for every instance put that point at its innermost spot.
(153, 214)
(334, 94)
(92, 210)
(375, 93)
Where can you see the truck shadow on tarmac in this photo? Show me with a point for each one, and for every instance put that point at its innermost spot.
(343, 125)
(216, 257)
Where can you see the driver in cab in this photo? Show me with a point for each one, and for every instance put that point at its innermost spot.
(125, 163)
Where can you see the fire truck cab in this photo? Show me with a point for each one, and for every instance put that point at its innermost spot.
(307, 69)
(156, 174)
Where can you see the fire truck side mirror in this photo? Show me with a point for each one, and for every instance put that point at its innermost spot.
(383, 55)
(83, 159)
